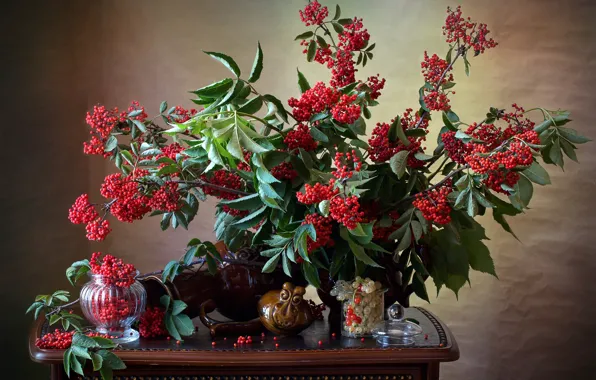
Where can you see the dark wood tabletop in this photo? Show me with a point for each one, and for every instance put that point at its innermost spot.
(300, 354)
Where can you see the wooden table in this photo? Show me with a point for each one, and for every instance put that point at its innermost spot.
(296, 358)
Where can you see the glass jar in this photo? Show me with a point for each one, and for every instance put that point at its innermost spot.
(111, 308)
(362, 306)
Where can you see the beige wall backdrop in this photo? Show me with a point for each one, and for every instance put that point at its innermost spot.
(60, 58)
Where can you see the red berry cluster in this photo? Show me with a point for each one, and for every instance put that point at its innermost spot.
(102, 122)
(313, 13)
(434, 204)
(128, 203)
(113, 270)
(346, 164)
(316, 193)
(135, 106)
(321, 98)
(455, 148)
(284, 171)
(433, 69)
(345, 111)
(382, 148)
(467, 33)
(376, 84)
(98, 229)
(55, 340)
(152, 324)
(82, 212)
(112, 309)
(437, 100)
(324, 228)
(222, 178)
(346, 211)
(180, 114)
(166, 198)
(354, 37)
(343, 69)
(170, 151)
(300, 137)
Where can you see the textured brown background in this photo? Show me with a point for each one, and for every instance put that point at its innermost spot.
(60, 58)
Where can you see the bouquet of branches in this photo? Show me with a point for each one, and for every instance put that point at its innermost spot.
(313, 182)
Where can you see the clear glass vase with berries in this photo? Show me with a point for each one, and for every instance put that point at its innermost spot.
(113, 300)
(362, 306)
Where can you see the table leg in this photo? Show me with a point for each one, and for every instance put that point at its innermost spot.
(56, 372)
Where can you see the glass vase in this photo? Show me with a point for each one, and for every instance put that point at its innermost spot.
(361, 313)
(112, 309)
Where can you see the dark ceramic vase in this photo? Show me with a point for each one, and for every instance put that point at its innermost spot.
(236, 288)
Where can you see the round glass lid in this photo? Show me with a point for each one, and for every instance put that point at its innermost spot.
(396, 331)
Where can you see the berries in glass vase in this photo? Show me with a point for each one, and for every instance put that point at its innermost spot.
(113, 300)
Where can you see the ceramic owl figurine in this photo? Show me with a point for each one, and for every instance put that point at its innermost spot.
(284, 311)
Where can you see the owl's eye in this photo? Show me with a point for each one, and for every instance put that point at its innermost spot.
(284, 295)
(296, 299)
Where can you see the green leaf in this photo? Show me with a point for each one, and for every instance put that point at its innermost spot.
(572, 135)
(397, 130)
(111, 360)
(165, 301)
(419, 287)
(525, 189)
(466, 65)
(250, 220)
(416, 132)
(302, 82)
(80, 352)
(249, 202)
(312, 50)
(104, 342)
(555, 155)
(252, 106)
(361, 255)
(406, 240)
(337, 27)
(183, 324)
(311, 274)
(75, 365)
(448, 122)
(83, 340)
(226, 61)
(96, 359)
(472, 205)
(271, 264)
(257, 65)
(324, 207)
(537, 174)
(322, 43)
(66, 359)
(278, 105)
(398, 163)
(215, 90)
(106, 373)
(337, 12)
(304, 36)
(140, 125)
(178, 307)
(416, 229)
(111, 143)
(318, 135)
(422, 157)
(569, 149)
